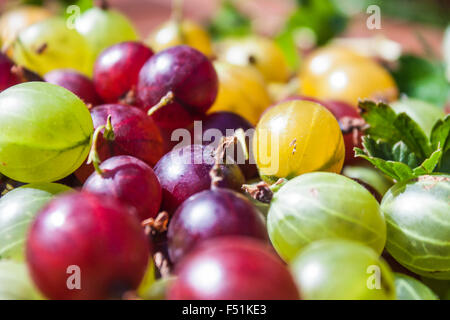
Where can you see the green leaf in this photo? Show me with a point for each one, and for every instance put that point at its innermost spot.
(428, 166)
(229, 22)
(381, 120)
(386, 125)
(423, 79)
(398, 152)
(444, 166)
(399, 170)
(440, 135)
(413, 135)
(396, 145)
(396, 170)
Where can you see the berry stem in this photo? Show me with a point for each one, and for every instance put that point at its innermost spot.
(262, 191)
(156, 225)
(109, 130)
(216, 172)
(94, 158)
(237, 139)
(167, 99)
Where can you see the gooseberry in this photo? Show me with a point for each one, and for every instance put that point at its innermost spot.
(211, 214)
(256, 51)
(232, 268)
(75, 82)
(408, 288)
(7, 78)
(117, 70)
(158, 290)
(418, 225)
(49, 45)
(370, 176)
(131, 181)
(342, 270)
(188, 75)
(10, 74)
(93, 234)
(351, 125)
(297, 137)
(132, 133)
(242, 90)
(103, 27)
(322, 205)
(45, 132)
(17, 209)
(15, 282)
(17, 19)
(187, 32)
(148, 280)
(350, 122)
(335, 73)
(186, 171)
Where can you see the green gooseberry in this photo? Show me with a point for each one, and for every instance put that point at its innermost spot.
(336, 269)
(408, 288)
(418, 225)
(15, 282)
(323, 205)
(369, 175)
(17, 210)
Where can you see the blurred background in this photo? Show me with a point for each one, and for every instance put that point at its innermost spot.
(411, 38)
(407, 21)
